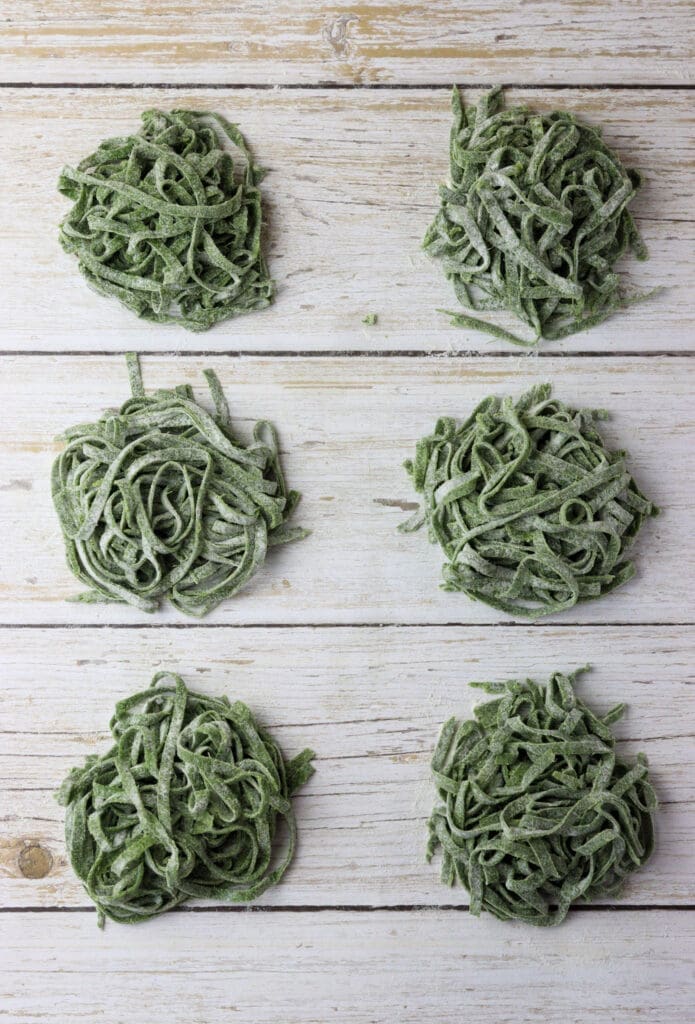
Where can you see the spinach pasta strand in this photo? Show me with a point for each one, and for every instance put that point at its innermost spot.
(159, 500)
(533, 513)
(185, 804)
(533, 220)
(164, 222)
(536, 810)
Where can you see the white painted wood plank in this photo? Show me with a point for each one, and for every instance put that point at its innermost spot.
(370, 703)
(344, 41)
(346, 425)
(351, 190)
(353, 967)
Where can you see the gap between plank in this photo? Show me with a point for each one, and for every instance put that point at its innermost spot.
(389, 353)
(354, 908)
(347, 86)
(345, 625)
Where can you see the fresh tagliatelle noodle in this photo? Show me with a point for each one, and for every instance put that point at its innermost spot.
(166, 223)
(185, 804)
(159, 500)
(533, 220)
(532, 511)
(535, 808)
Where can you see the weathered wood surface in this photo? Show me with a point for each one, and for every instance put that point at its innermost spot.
(347, 42)
(370, 702)
(346, 425)
(352, 187)
(351, 190)
(350, 967)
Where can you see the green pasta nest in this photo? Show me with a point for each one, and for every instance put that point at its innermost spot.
(533, 513)
(164, 222)
(159, 500)
(537, 810)
(533, 220)
(185, 804)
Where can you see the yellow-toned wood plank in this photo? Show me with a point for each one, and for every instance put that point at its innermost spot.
(392, 41)
(351, 190)
(346, 425)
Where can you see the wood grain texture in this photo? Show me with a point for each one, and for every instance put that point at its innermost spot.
(349, 967)
(370, 702)
(347, 42)
(351, 190)
(346, 425)
(352, 187)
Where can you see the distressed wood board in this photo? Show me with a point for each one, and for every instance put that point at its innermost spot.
(379, 41)
(429, 965)
(346, 426)
(343, 642)
(351, 190)
(369, 701)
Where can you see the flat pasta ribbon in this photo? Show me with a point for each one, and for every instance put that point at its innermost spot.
(533, 513)
(536, 810)
(164, 222)
(533, 220)
(186, 803)
(159, 500)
